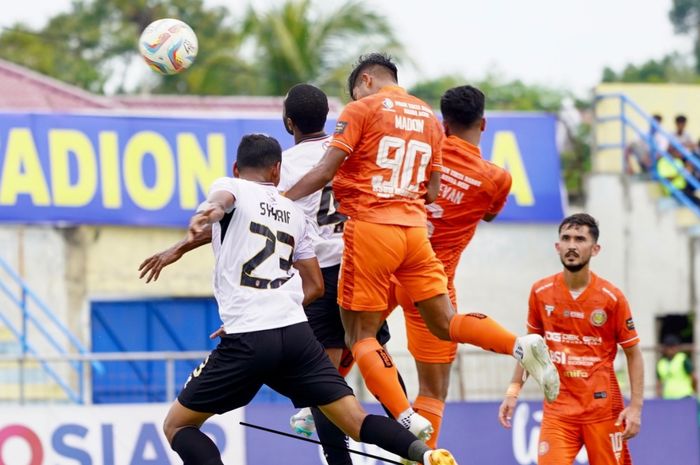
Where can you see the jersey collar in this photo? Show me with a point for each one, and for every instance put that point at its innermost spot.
(467, 147)
(393, 89)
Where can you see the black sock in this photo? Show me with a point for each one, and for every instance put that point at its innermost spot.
(335, 442)
(403, 387)
(195, 447)
(391, 436)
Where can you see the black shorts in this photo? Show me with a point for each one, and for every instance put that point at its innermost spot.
(324, 314)
(289, 360)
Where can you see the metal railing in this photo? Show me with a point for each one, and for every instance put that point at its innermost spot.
(35, 315)
(628, 113)
(476, 375)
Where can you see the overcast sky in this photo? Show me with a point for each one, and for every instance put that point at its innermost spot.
(564, 43)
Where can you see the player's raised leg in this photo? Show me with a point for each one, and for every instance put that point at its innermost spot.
(423, 278)
(369, 260)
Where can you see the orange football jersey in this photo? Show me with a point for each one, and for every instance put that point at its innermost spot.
(582, 335)
(393, 141)
(470, 187)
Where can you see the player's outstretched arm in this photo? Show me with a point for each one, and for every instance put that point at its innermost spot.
(210, 211)
(311, 279)
(319, 175)
(631, 416)
(154, 264)
(505, 411)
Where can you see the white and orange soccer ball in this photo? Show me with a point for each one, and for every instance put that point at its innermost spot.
(168, 45)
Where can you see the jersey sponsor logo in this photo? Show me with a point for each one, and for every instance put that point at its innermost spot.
(388, 104)
(599, 317)
(558, 357)
(600, 395)
(574, 314)
(575, 339)
(543, 448)
(630, 324)
(340, 127)
(575, 374)
(549, 309)
(562, 358)
(409, 124)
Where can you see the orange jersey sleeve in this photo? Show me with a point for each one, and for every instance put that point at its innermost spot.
(503, 181)
(625, 330)
(392, 140)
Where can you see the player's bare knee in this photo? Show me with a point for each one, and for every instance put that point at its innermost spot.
(169, 429)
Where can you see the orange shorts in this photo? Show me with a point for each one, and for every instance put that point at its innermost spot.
(560, 441)
(374, 253)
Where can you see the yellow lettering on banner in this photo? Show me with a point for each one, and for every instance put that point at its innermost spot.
(506, 154)
(109, 164)
(156, 197)
(193, 168)
(21, 172)
(63, 142)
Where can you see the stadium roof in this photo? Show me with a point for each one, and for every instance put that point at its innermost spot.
(27, 90)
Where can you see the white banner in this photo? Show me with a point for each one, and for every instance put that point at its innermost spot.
(129, 434)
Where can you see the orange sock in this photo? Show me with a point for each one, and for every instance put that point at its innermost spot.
(431, 409)
(380, 375)
(481, 331)
(346, 362)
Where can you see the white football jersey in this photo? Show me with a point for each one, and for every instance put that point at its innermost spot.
(320, 206)
(255, 245)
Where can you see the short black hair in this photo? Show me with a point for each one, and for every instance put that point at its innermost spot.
(463, 105)
(658, 117)
(258, 151)
(371, 60)
(307, 106)
(582, 219)
(681, 119)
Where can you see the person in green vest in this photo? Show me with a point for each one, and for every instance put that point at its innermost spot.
(674, 371)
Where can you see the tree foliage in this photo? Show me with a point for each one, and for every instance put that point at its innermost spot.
(500, 94)
(685, 17)
(671, 68)
(295, 43)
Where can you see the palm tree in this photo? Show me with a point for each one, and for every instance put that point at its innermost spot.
(296, 43)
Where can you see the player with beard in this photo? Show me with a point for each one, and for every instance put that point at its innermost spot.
(583, 318)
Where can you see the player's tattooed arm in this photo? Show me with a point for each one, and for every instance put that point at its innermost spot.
(311, 279)
(154, 264)
(319, 175)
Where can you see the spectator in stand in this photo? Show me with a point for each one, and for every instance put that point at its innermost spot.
(675, 375)
(645, 150)
(682, 134)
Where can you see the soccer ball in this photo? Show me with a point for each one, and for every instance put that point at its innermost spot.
(168, 45)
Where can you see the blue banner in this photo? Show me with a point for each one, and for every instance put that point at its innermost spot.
(470, 430)
(126, 170)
